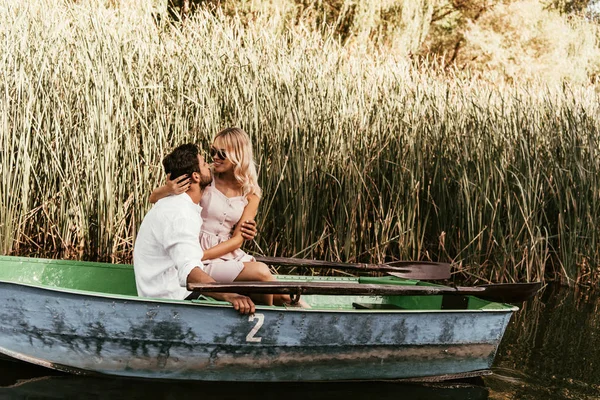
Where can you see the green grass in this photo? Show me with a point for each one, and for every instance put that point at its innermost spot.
(362, 156)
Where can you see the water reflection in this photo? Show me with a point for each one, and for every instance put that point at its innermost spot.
(551, 349)
(20, 381)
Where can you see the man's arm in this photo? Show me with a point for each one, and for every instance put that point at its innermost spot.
(181, 243)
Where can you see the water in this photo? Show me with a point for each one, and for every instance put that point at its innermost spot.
(550, 351)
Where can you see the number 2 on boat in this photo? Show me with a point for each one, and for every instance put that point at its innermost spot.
(260, 320)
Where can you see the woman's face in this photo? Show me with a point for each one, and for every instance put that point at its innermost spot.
(221, 161)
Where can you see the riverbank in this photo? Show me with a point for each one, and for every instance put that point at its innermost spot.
(363, 155)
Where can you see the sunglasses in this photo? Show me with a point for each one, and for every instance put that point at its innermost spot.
(218, 153)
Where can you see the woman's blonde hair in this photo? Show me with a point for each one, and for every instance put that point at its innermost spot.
(236, 144)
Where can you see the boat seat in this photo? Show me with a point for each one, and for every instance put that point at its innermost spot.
(376, 306)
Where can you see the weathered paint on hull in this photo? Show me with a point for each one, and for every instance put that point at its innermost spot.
(173, 340)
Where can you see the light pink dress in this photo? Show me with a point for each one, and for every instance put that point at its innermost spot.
(219, 214)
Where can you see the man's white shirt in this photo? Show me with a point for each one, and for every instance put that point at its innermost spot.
(167, 248)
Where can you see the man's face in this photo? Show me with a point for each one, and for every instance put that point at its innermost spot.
(205, 174)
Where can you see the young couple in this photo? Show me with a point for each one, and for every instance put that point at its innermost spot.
(193, 232)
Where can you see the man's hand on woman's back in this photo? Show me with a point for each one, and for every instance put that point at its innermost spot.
(248, 229)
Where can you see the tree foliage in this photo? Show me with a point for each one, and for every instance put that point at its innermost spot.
(550, 40)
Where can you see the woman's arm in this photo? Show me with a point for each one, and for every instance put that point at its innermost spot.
(236, 240)
(175, 186)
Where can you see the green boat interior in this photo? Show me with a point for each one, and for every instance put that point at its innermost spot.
(118, 279)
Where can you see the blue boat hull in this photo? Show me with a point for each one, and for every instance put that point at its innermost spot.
(129, 336)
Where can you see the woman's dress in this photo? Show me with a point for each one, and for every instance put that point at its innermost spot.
(219, 215)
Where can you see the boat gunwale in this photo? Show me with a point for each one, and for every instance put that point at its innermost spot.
(37, 260)
(196, 303)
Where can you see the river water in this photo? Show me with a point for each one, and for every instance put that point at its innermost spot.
(550, 351)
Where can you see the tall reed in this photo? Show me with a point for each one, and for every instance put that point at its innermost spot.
(362, 156)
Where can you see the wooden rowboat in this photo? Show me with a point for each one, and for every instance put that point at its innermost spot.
(85, 317)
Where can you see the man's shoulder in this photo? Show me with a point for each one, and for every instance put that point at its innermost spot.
(173, 206)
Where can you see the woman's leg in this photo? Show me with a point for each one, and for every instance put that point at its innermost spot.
(257, 271)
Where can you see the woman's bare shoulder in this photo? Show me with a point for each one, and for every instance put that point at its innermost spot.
(252, 198)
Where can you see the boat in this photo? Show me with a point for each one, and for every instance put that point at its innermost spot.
(85, 318)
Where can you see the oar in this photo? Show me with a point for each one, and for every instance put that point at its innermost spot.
(422, 270)
(511, 292)
(496, 292)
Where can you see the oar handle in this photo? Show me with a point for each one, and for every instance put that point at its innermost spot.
(398, 266)
(300, 262)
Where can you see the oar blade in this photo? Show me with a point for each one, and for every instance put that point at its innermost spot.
(421, 270)
(509, 292)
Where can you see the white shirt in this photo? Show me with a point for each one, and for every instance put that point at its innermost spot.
(167, 248)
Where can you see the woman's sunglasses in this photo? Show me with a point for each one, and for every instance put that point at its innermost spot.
(218, 153)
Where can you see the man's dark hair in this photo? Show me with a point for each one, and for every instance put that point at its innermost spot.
(182, 161)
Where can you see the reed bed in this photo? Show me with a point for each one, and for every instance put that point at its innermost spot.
(362, 156)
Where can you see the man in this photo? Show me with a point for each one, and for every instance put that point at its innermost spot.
(167, 254)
